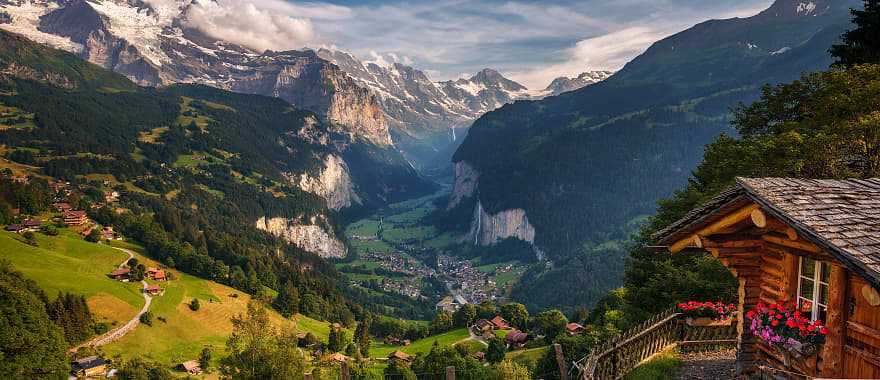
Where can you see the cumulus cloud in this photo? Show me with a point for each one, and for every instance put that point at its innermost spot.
(262, 24)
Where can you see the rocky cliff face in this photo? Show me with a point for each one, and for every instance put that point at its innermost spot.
(488, 229)
(333, 183)
(465, 186)
(310, 237)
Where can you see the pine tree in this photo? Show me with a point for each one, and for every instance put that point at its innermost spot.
(862, 44)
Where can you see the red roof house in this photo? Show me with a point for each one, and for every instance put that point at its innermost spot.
(499, 323)
(574, 328)
(120, 273)
(154, 289)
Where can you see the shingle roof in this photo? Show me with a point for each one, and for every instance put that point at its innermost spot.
(841, 216)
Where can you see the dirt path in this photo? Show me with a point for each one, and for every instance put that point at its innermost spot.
(120, 331)
(474, 337)
(708, 365)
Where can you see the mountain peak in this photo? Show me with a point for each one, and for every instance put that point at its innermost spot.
(798, 8)
(492, 78)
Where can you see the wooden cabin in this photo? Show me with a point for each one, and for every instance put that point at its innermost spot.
(813, 245)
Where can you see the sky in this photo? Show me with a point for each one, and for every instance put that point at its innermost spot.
(529, 41)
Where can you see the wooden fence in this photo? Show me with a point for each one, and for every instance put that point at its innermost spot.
(613, 359)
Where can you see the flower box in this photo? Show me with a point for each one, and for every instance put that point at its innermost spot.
(708, 322)
(706, 313)
(790, 333)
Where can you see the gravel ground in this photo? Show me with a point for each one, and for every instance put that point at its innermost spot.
(707, 365)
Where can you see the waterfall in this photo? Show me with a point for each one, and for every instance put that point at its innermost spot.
(479, 223)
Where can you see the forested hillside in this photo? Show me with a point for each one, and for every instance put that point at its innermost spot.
(587, 166)
(194, 168)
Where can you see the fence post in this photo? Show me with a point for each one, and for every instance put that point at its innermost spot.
(450, 373)
(560, 362)
(307, 376)
(343, 371)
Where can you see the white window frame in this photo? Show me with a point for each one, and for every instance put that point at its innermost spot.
(817, 282)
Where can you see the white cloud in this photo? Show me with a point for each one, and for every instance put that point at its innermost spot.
(262, 24)
(606, 52)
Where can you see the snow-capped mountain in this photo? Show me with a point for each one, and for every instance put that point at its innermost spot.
(151, 42)
(565, 84)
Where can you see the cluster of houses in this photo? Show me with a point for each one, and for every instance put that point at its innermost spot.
(29, 225)
(96, 367)
(155, 274)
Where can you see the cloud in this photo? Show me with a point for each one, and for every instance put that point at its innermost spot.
(262, 24)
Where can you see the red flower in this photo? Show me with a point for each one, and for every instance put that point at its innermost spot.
(823, 331)
(811, 328)
(751, 314)
(774, 323)
(790, 323)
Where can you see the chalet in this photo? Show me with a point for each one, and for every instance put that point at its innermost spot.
(810, 245)
(516, 338)
(151, 271)
(336, 358)
(62, 206)
(120, 274)
(191, 367)
(75, 217)
(398, 355)
(448, 304)
(91, 366)
(482, 326)
(574, 328)
(32, 224)
(499, 323)
(17, 228)
(107, 233)
(159, 275)
(153, 289)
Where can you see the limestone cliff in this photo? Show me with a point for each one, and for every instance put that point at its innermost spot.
(465, 185)
(309, 237)
(488, 229)
(333, 183)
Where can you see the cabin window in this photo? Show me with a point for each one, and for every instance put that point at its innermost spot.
(813, 288)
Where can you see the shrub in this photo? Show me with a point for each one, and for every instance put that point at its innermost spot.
(147, 318)
(194, 304)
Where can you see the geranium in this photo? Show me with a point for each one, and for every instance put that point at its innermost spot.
(795, 330)
(714, 310)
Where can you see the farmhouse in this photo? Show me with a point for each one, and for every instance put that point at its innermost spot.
(808, 245)
(499, 323)
(191, 367)
(482, 326)
(75, 218)
(398, 355)
(32, 224)
(336, 358)
(62, 206)
(154, 289)
(91, 366)
(516, 338)
(120, 274)
(159, 275)
(574, 328)
(17, 228)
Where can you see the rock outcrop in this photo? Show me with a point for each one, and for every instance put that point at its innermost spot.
(308, 237)
(333, 183)
(488, 229)
(465, 185)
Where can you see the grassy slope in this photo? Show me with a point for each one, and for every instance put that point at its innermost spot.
(381, 350)
(70, 264)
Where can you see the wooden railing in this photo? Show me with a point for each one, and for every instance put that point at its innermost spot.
(613, 359)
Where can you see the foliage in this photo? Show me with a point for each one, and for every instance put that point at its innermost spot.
(661, 367)
(194, 305)
(435, 362)
(31, 345)
(509, 370)
(94, 236)
(72, 314)
(573, 346)
(496, 350)
(551, 323)
(338, 340)
(205, 359)
(465, 315)
(258, 351)
(399, 370)
(516, 314)
(442, 322)
(861, 44)
(138, 369)
(362, 335)
(147, 318)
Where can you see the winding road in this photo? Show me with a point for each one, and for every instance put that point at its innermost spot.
(120, 331)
